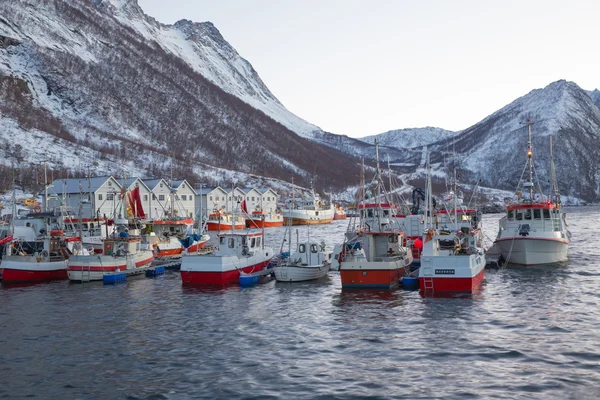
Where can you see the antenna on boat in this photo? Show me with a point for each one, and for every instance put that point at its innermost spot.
(553, 181)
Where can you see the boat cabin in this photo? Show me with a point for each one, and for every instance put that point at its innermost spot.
(239, 244)
(310, 254)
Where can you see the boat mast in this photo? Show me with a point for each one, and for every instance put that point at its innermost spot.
(45, 185)
(378, 192)
(553, 181)
(529, 156)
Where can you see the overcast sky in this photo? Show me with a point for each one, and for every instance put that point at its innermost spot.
(365, 67)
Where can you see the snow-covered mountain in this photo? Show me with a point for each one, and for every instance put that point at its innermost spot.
(493, 150)
(411, 137)
(97, 84)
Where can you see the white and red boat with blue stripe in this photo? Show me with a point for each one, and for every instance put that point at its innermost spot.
(237, 252)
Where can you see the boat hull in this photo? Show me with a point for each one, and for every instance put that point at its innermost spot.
(307, 221)
(451, 274)
(360, 273)
(193, 272)
(533, 251)
(93, 268)
(215, 226)
(15, 271)
(256, 223)
(300, 273)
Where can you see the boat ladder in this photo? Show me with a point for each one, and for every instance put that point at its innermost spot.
(88, 270)
(427, 278)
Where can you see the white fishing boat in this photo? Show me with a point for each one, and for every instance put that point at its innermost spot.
(534, 229)
(307, 211)
(309, 261)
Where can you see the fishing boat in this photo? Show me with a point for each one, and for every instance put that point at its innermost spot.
(264, 219)
(43, 259)
(124, 251)
(373, 254)
(309, 261)
(166, 236)
(307, 211)
(237, 252)
(452, 259)
(221, 221)
(534, 229)
(339, 213)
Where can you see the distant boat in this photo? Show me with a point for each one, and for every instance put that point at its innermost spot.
(221, 221)
(237, 252)
(307, 211)
(534, 229)
(339, 213)
(264, 219)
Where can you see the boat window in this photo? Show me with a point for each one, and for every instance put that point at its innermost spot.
(222, 240)
(511, 214)
(302, 248)
(370, 213)
(537, 214)
(386, 213)
(253, 242)
(546, 213)
(244, 242)
(392, 239)
(519, 215)
(313, 248)
(258, 242)
(527, 214)
(231, 243)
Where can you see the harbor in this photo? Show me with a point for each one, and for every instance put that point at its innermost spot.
(308, 339)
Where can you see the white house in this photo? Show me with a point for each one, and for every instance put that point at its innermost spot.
(253, 199)
(216, 199)
(185, 199)
(97, 196)
(269, 199)
(234, 200)
(160, 202)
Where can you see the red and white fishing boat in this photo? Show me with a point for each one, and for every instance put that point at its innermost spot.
(339, 213)
(122, 252)
(165, 236)
(374, 254)
(264, 219)
(221, 221)
(534, 229)
(40, 260)
(237, 252)
(452, 260)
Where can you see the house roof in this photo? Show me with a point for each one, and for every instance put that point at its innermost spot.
(71, 185)
(152, 183)
(129, 181)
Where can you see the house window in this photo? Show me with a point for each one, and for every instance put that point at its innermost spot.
(161, 185)
(210, 198)
(183, 197)
(161, 197)
(145, 197)
(176, 197)
(110, 196)
(99, 196)
(252, 198)
(109, 183)
(223, 198)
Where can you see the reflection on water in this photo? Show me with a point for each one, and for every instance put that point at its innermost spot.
(529, 332)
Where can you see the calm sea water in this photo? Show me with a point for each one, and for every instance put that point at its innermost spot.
(530, 333)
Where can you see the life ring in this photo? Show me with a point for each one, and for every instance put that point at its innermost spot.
(37, 209)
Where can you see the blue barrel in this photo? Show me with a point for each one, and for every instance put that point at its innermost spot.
(410, 283)
(156, 271)
(114, 277)
(249, 280)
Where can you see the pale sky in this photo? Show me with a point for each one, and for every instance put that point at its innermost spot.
(365, 67)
